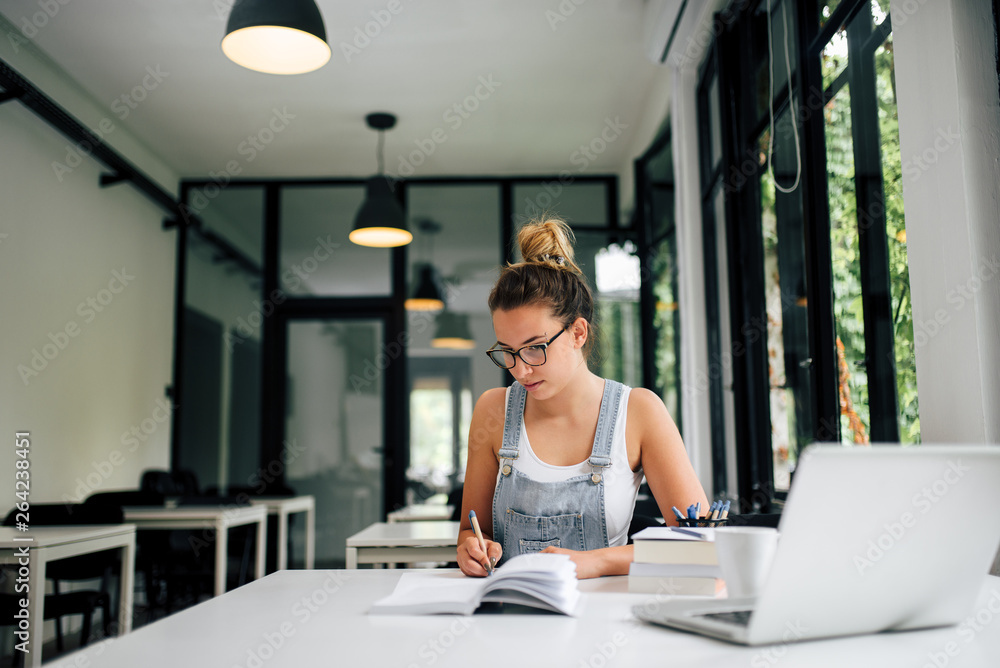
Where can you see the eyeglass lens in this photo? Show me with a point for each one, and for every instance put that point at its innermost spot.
(532, 355)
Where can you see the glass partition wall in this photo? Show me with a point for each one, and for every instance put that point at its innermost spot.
(218, 433)
(299, 368)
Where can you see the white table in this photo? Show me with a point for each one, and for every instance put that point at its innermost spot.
(218, 519)
(403, 542)
(283, 507)
(46, 544)
(304, 618)
(421, 512)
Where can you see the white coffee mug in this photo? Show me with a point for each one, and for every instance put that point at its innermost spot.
(745, 556)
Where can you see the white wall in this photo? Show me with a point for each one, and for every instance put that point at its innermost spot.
(100, 369)
(61, 242)
(949, 136)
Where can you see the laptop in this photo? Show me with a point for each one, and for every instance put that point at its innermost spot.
(880, 538)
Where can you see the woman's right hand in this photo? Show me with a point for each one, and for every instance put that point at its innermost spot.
(471, 558)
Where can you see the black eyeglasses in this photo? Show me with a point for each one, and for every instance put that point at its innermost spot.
(533, 355)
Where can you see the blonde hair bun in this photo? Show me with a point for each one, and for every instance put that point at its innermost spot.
(548, 241)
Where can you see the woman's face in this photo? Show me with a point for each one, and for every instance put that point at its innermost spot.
(531, 325)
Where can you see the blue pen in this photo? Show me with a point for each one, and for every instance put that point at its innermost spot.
(678, 513)
(690, 511)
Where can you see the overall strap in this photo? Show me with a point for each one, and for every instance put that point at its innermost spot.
(600, 455)
(512, 423)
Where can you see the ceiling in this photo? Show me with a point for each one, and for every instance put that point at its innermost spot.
(532, 81)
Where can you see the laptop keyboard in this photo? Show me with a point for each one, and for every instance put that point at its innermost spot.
(737, 617)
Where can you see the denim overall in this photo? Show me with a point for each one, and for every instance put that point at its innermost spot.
(528, 515)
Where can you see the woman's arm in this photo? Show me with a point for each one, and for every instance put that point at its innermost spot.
(485, 433)
(600, 562)
(664, 459)
(668, 471)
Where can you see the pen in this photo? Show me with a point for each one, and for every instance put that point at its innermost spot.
(687, 532)
(725, 510)
(482, 541)
(678, 513)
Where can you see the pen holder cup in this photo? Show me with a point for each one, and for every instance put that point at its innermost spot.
(702, 522)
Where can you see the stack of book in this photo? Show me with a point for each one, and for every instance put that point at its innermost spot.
(674, 563)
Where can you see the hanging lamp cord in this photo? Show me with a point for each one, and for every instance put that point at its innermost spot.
(379, 150)
(791, 102)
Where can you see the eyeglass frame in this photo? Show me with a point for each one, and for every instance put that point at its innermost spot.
(517, 353)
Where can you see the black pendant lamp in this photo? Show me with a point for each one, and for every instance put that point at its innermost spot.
(276, 36)
(429, 294)
(453, 332)
(380, 221)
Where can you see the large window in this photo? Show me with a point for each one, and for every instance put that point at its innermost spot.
(814, 252)
(876, 379)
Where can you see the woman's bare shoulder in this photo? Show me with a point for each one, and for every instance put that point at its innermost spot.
(645, 404)
(490, 408)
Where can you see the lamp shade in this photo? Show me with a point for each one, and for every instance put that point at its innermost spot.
(380, 221)
(453, 332)
(428, 296)
(276, 36)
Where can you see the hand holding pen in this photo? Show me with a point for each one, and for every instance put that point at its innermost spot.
(478, 550)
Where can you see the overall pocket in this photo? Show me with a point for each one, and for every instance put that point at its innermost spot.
(532, 533)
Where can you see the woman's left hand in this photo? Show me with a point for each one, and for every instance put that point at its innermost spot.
(589, 564)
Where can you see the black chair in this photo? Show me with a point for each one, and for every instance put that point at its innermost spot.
(161, 482)
(455, 501)
(98, 566)
(162, 575)
(242, 494)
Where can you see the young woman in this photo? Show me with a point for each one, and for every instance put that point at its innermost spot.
(556, 460)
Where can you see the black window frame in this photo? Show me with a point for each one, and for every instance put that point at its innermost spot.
(731, 57)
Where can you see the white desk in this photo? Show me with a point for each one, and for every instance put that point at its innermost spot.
(304, 618)
(421, 512)
(217, 519)
(47, 544)
(403, 542)
(283, 507)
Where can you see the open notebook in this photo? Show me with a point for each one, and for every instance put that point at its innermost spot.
(546, 581)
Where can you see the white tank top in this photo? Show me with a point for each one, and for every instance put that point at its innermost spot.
(621, 483)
